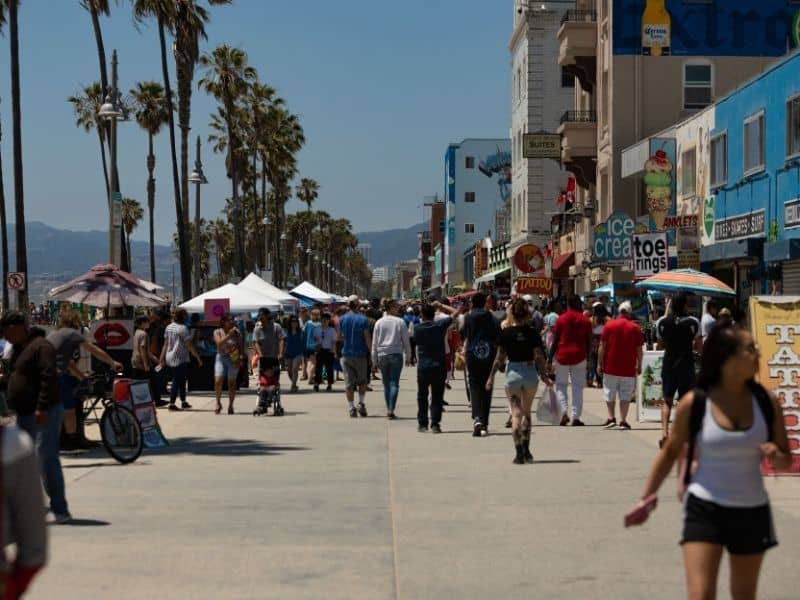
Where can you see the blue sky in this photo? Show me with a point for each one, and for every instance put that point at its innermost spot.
(381, 89)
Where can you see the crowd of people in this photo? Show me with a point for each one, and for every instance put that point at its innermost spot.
(725, 418)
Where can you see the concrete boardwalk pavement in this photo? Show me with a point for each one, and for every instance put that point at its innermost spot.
(318, 505)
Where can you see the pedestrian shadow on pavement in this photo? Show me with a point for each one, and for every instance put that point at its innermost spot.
(85, 523)
(556, 461)
(110, 463)
(222, 447)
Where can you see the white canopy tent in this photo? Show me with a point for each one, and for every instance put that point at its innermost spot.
(254, 283)
(241, 300)
(312, 292)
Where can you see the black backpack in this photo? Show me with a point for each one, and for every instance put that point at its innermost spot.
(699, 412)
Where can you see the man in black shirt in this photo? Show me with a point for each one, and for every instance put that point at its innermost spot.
(679, 335)
(481, 330)
(429, 336)
(33, 395)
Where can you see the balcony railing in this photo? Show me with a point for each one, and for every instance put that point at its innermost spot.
(585, 16)
(579, 116)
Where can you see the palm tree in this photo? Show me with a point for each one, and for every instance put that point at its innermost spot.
(227, 76)
(152, 113)
(132, 213)
(220, 234)
(164, 13)
(3, 222)
(12, 6)
(307, 191)
(189, 24)
(86, 107)
(95, 9)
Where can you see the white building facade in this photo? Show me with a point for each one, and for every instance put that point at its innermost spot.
(541, 93)
(477, 187)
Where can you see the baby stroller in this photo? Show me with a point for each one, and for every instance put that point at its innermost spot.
(269, 392)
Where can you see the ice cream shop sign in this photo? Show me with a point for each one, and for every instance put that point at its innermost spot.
(613, 241)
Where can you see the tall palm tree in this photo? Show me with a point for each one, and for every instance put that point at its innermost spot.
(152, 113)
(227, 76)
(86, 106)
(9, 9)
(96, 8)
(3, 221)
(220, 234)
(307, 192)
(132, 213)
(164, 13)
(189, 24)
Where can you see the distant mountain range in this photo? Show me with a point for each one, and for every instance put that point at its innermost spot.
(393, 245)
(57, 255)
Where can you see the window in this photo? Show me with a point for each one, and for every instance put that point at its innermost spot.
(754, 144)
(793, 127)
(567, 78)
(469, 162)
(719, 160)
(469, 196)
(469, 227)
(689, 165)
(697, 85)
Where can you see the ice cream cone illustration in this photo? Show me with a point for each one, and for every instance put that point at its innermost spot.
(658, 185)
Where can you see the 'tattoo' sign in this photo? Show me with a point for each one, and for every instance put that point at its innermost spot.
(650, 254)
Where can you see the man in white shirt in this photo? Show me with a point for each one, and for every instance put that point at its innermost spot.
(325, 341)
(390, 342)
(709, 318)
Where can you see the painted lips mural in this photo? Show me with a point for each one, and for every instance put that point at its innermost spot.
(111, 335)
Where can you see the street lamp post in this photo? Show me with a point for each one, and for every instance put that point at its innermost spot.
(308, 265)
(111, 111)
(299, 263)
(198, 178)
(285, 259)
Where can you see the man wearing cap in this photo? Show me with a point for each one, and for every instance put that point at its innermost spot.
(33, 395)
(354, 333)
(268, 341)
(619, 361)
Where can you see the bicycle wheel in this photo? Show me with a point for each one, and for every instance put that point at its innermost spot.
(121, 433)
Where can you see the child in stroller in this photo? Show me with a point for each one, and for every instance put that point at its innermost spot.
(269, 392)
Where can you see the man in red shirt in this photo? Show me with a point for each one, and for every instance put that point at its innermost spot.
(572, 339)
(619, 360)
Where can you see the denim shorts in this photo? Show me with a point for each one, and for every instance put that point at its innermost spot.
(521, 375)
(223, 365)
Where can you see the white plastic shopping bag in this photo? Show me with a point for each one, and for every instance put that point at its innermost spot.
(547, 410)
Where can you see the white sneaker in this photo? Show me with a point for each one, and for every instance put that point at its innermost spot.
(59, 519)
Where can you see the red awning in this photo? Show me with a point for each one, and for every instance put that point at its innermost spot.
(561, 265)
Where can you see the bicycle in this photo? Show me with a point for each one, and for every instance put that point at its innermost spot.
(120, 430)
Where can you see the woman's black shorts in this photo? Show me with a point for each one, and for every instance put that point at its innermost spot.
(739, 530)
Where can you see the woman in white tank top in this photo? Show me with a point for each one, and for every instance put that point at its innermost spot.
(726, 507)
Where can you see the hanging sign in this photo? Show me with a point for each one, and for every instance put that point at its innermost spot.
(528, 258)
(214, 308)
(650, 254)
(535, 285)
(613, 240)
(541, 145)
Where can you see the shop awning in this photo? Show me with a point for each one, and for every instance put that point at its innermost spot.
(491, 276)
(561, 265)
(782, 250)
(733, 249)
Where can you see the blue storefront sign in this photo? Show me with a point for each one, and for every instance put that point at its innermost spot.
(613, 240)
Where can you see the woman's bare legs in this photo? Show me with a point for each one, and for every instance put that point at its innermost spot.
(218, 393)
(744, 575)
(701, 562)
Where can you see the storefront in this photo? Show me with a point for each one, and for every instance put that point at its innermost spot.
(737, 263)
(783, 258)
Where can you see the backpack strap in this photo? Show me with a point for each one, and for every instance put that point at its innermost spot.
(766, 406)
(695, 425)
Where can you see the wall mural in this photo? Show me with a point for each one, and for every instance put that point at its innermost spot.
(499, 164)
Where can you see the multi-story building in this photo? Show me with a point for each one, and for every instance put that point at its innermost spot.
(541, 91)
(477, 186)
(405, 274)
(642, 65)
(380, 274)
(365, 250)
(737, 183)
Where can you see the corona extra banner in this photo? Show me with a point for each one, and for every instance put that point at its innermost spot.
(775, 322)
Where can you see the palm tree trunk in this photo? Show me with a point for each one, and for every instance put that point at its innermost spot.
(237, 226)
(105, 167)
(16, 122)
(184, 116)
(183, 249)
(4, 232)
(151, 204)
(266, 214)
(101, 49)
